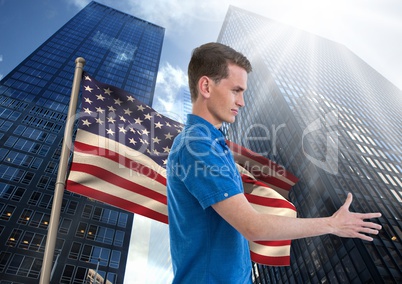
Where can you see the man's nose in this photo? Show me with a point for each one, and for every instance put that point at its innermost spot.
(240, 100)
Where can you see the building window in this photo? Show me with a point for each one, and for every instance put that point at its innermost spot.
(112, 277)
(46, 201)
(27, 178)
(82, 227)
(11, 192)
(100, 234)
(14, 238)
(7, 212)
(107, 216)
(67, 275)
(80, 275)
(119, 238)
(4, 258)
(123, 217)
(94, 254)
(115, 259)
(19, 192)
(65, 225)
(40, 220)
(74, 251)
(33, 200)
(25, 216)
(87, 211)
(72, 207)
(43, 182)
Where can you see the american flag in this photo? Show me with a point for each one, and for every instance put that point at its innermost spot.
(120, 153)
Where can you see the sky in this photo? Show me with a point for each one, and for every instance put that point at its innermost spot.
(372, 29)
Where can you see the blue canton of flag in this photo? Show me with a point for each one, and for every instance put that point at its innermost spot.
(117, 115)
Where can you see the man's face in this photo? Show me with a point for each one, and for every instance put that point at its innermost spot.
(227, 96)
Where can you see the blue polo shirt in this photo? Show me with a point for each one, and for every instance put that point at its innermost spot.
(201, 172)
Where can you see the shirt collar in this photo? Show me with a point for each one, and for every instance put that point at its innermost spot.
(193, 120)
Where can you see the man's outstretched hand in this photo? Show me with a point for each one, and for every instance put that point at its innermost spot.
(353, 225)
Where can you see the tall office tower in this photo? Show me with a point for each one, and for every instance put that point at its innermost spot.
(187, 105)
(93, 238)
(319, 110)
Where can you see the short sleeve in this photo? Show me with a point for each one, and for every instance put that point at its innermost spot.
(209, 172)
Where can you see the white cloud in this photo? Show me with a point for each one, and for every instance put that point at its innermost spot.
(169, 83)
(191, 23)
(80, 3)
(175, 13)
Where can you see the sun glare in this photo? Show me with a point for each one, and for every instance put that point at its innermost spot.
(317, 16)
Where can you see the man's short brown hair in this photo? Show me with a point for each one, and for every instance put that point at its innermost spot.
(212, 60)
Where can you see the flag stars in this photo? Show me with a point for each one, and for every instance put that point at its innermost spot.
(168, 136)
(87, 110)
(138, 121)
(144, 142)
(99, 121)
(100, 97)
(86, 122)
(121, 129)
(117, 102)
(158, 125)
(122, 115)
(156, 140)
(127, 111)
(108, 91)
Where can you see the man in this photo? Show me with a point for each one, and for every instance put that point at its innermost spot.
(210, 220)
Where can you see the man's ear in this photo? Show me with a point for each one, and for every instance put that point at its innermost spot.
(204, 86)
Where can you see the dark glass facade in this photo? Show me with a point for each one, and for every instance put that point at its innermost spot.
(119, 49)
(316, 108)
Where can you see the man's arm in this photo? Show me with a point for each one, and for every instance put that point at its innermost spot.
(256, 226)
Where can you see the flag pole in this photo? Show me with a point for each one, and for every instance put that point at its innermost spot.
(61, 176)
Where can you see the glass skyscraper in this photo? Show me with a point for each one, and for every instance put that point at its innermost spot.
(319, 110)
(93, 238)
(183, 106)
